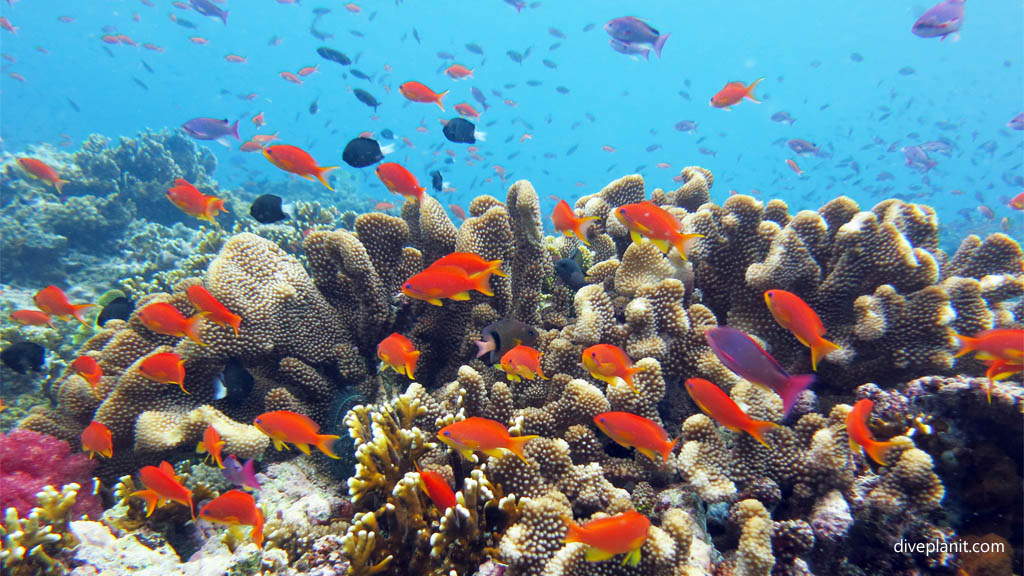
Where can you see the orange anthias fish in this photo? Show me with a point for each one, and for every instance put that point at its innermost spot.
(41, 170)
(31, 318)
(211, 308)
(97, 439)
(634, 431)
(193, 202)
(212, 445)
(420, 93)
(1017, 202)
(482, 435)
(458, 71)
(719, 406)
(297, 161)
(606, 537)
(164, 318)
(568, 224)
(400, 181)
(648, 220)
(88, 369)
(284, 426)
(466, 110)
(608, 363)
(1005, 343)
(522, 362)
(436, 283)
(54, 302)
(162, 484)
(165, 368)
(1000, 369)
(437, 488)
(398, 353)
(793, 314)
(236, 508)
(733, 93)
(472, 264)
(860, 435)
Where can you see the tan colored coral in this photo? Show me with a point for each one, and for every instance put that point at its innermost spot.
(157, 431)
(594, 315)
(754, 554)
(704, 460)
(642, 265)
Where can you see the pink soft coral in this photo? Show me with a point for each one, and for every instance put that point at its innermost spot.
(30, 460)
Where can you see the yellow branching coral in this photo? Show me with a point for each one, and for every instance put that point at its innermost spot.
(28, 546)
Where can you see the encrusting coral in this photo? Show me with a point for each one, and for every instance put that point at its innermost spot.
(886, 293)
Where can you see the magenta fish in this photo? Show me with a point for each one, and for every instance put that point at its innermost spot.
(941, 20)
(741, 354)
(918, 159)
(240, 474)
(211, 129)
(802, 147)
(635, 33)
(1017, 123)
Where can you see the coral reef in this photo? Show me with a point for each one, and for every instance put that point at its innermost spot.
(885, 291)
(30, 461)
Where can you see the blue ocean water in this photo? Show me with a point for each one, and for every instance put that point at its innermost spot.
(835, 68)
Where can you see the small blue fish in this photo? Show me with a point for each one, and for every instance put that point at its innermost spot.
(739, 353)
(207, 8)
(630, 30)
(941, 20)
(240, 474)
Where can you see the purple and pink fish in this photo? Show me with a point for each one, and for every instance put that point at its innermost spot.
(240, 474)
(941, 20)
(633, 36)
(741, 354)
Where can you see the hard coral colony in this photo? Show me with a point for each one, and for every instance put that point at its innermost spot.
(723, 389)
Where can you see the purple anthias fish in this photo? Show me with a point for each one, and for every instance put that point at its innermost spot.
(918, 159)
(802, 147)
(1017, 123)
(207, 8)
(739, 353)
(943, 19)
(940, 146)
(630, 30)
(478, 95)
(240, 474)
(630, 49)
(783, 117)
(688, 126)
(517, 4)
(211, 129)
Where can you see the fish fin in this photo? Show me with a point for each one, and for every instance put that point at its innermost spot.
(966, 345)
(513, 377)
(757, 429)
(410, 364)
(636, 237)
(167, 468)
(191, 331)
(235, 321)
(878, 450)
(150, 497)
(597, 555)
(495, 266)
(59, 185)
(201, 447)
(321, 171)
(792, 389)
(659, 43)
(749, 94)
(628, 379)
(77, 309)
(304, 448)
(437, 301)
(662, 245)
(483, 347)
(483, 284)
(257, 529)
(517, 443)
(573, 532)
(633, 558)
(234, 127)
(439, 98)
(459, 296)
(668, 451)
(325, 442)
(682, 240)
(279, 445)
(651, 454)
(820, 350)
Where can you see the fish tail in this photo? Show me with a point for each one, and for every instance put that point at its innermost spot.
(483, 347)
(325, 442)
(234, 127)
(681, 241)
(668, 450)
(59, 184)
(77, 309)
(410, 364)
(150, 497)
(582, 228)
(257, 529)
(628, 379)
(495, 266)
(212, 207)
(758, 428)
(792, 389)
(749, 95)
(224, 18)
(482, 284)
(820, 350)
(321, 171)
(878, 450)
(235, 321)
(517, 443)
(439, 98)
(191, 331)
(966, 345)
(659, 43)
(573, 532)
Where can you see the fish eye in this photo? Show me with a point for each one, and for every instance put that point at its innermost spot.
(408, 285)
(258, 420)
(622, 210)
(603, 421)
(448, 433)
